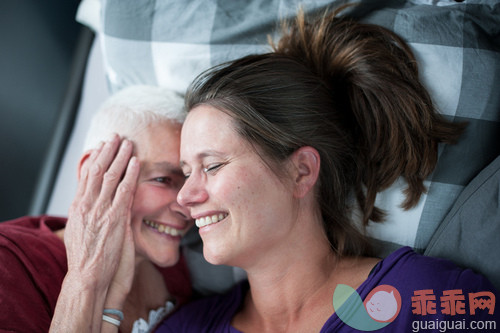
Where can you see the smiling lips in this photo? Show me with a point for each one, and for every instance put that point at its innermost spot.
(204, 221)
(164, 228)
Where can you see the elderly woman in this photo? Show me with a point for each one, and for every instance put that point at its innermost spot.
(140, 213)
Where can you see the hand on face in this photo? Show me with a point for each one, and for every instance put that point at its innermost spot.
(98, 226)
(124, 277)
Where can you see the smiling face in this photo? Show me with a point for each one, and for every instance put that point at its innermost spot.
(158, 221)
(242, 208)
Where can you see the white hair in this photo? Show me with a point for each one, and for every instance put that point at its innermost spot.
(131, 110)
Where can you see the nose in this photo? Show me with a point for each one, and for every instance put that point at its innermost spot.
(192, 192)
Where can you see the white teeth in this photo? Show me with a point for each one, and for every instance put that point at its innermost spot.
(163, 228)
(203, 221)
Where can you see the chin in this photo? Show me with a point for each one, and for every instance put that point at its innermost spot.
(163, 258)
(166, 262)
(214, 257)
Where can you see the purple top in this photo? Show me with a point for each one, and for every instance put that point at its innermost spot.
(405, 270)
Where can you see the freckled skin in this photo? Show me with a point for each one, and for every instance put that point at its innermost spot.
(259, 218)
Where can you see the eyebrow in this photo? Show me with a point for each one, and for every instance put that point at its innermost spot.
(203, 154)
(163, 166)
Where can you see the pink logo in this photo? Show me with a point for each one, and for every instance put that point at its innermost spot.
(383, 303)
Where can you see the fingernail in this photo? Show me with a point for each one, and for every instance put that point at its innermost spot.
(126, 143)
(114, 138)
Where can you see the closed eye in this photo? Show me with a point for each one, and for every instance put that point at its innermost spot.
(212, 168)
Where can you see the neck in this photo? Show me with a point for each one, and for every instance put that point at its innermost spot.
(290, 281)
(291, 285)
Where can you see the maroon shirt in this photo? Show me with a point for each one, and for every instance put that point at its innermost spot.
(32, 267)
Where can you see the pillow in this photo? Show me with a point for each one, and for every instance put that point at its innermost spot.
(469, 233)
(168, 43)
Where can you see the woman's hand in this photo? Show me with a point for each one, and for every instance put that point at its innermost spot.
(100, 214)
(97, 231)
(124, 276)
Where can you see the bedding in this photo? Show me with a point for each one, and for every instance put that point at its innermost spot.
(469, 233)
(456, 43)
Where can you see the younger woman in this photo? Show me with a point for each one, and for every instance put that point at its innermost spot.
(279, 149)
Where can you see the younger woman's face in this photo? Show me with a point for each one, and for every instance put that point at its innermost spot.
(243, 210)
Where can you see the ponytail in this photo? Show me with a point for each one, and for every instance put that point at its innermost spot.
(373, 71)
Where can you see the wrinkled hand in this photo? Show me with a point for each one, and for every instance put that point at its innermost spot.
(124, 276)
(99, 219)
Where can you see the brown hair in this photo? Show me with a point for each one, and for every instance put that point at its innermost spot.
(352, 92)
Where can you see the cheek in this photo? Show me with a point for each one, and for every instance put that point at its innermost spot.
(140, 201)
(149, 198)
(232, 189)
(247, 193)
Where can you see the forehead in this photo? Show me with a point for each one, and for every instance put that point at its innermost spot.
(203, 115)
(159, 141)
(208, 129)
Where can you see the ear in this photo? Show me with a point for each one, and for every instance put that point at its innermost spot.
(84, 157)
(306, 161)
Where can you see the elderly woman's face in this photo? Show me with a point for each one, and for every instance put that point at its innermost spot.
(158, 221)
(239, 204)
